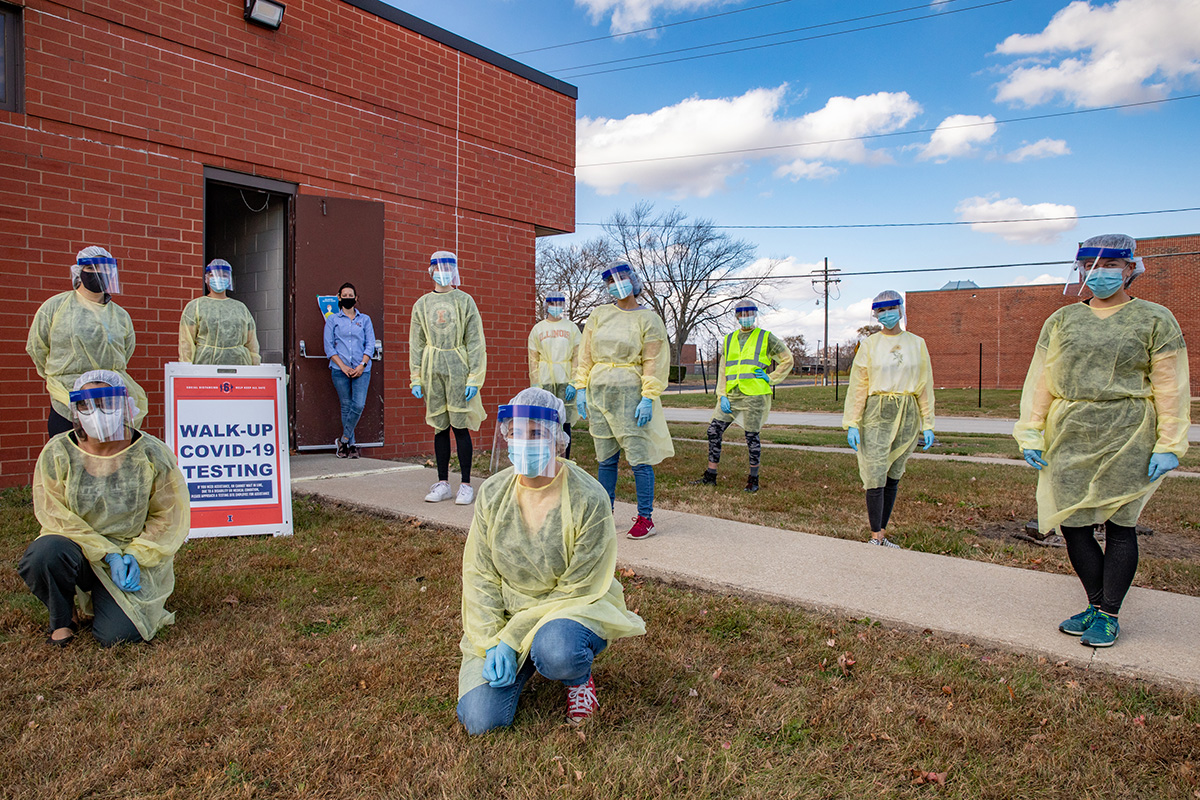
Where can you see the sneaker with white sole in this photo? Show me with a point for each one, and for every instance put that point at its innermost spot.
(465, 495)
(582, 702)
(438, 492)
(884, 542)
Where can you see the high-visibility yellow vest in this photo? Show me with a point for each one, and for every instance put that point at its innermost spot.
(741, 361)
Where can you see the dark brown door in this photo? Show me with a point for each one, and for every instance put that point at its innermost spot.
(337, 240)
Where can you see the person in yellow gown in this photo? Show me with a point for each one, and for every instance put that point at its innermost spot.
(215, 328)
(889, 408)
(1105, 412)
(553, 354)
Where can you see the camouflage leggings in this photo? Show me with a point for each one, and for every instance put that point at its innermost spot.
(716, 432)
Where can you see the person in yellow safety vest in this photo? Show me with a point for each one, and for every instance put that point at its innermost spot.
(744, 388)
(553, 356)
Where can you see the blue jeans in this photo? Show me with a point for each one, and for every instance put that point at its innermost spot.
(562, 651)
(352, 395)
(643, 481)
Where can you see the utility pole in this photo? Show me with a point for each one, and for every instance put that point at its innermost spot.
(822, 278)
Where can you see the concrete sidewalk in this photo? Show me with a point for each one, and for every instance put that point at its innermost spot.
(1004, 607)
(815, 419)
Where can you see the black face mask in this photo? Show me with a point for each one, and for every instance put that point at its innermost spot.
(347, 302)
(91, 281)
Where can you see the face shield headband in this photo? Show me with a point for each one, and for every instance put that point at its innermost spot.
(529, 435)
(556, 305)
(105, 269)
(444, 269)
(1083, 269)
(219, 276)
(102, 411)
(746, 314)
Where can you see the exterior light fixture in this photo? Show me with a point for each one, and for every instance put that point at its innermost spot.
(266, 13)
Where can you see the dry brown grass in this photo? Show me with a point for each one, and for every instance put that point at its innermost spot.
(333, 676)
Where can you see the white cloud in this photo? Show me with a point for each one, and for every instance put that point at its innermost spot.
(1041, 280)
(809, 320)
(752, 120)
(957, 136)
(629, 15)
(1127, 51)
(1043, 227)
(1043, 148)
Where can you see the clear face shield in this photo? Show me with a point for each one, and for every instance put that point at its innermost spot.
(528, 436)
(443, 268)
(219, 276)
(556, 306)
(618, 280)
(102, 411)
(747, 315)
(888, 312)
(97, 274)
(1095, 268)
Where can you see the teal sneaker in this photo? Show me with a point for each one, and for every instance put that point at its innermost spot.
(1078, 624)
(1103, 631)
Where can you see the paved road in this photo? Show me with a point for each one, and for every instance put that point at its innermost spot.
(1003, 607)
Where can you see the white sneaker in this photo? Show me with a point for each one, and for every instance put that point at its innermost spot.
(465, 495)
(438, 492)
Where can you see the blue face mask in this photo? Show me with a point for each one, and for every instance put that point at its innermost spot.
(530, 457)
(555, 311)
(747, 320)
(443, 277)
(218, 283)
(1104, 283)
(620, 288)
(890, 318)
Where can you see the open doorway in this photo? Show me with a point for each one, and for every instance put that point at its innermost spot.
(247, 222)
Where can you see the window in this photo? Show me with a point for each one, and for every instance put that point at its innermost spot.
(11, 79)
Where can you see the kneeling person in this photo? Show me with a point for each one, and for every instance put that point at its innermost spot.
(539, 592)
(114, 508)
(744, 388)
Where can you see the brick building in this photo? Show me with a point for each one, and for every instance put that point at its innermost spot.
(1008, 319)
(348, 144)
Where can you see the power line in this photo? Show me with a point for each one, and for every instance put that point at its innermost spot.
(662, 27)
(931, 224)
(788, 41)
(761, 36)
(868, 136)
(809, 275)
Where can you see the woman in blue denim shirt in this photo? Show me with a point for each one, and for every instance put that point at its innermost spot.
(349, 345)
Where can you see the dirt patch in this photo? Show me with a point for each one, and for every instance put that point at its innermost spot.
(1153, 544)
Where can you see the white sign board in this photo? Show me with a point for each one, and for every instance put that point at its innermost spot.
(228, 429)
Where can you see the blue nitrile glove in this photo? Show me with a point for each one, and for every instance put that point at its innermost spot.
(133, 574)
(417, 393)
(725, 407)
(570, 394)
(643, 411)
(1033, 458)
(500, 666)
(581, 403)
(1161, 464)
(762, 373)
(116, 565)
(471, 392)
(928, 439)
(852, 438)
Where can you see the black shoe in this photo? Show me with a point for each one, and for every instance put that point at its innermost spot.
(343, 450)
(353, 451)
(752, 483)
(709, 478)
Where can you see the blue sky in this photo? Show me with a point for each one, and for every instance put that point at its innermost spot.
(932, 86)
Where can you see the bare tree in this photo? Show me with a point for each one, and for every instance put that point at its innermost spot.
(867, 330)
(799, 348)
(693, 271)
(575, 271)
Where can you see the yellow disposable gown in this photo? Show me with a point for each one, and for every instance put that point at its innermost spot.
(447, 354)
(216, 331)
(536, 555)
(553, 356)
(890, 401)
(751, 410)
(1106, 389)
(72, 335)
(134, 503)
(624, 357)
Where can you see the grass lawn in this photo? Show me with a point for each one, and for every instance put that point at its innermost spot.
(952, 508)
(325, 666)
(1003, 403)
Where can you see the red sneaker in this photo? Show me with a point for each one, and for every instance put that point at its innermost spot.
(582, 702)
(643, 528)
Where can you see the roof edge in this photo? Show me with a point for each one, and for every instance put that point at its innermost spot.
(431, 31)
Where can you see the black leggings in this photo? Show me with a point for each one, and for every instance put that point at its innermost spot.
(1106, 574)
(441, 452)
(879, 504)
(567, 430)
(56, 423)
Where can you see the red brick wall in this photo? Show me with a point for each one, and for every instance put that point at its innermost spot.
(1007, 320)
(126, 103)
